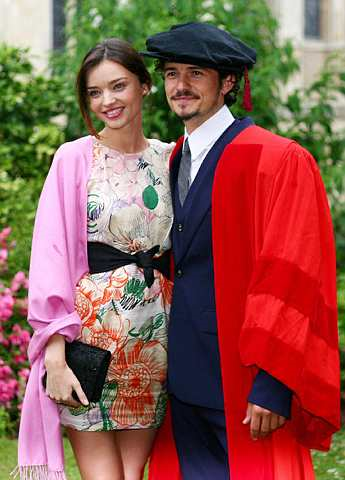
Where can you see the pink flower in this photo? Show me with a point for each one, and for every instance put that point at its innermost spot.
(5, 372)
(19, 359)
(14, 339)
(4, 234)
(4, 341)
(19, 337)
(8, 390)
(22, 305)
(3, 259)
(6, 304)
(18, 281)
(24, 350)
(24, 373)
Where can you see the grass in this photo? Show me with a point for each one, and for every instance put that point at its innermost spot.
(8, 449)
(331, 465)
(328, 466)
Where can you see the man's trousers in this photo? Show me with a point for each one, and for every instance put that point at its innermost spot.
(200, 437)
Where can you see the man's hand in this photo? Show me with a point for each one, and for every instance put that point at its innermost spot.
(262, 421)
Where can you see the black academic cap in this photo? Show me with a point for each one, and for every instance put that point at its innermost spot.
(201, 44)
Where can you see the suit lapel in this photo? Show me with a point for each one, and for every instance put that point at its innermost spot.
(198, 200)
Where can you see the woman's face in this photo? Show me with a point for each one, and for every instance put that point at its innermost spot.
(115, 95)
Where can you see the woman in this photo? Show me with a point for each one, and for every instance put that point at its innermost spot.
(110, 188)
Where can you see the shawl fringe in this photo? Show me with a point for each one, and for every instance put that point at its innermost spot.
(37, 472)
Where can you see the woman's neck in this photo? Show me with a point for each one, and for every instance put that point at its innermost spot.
(124, 141)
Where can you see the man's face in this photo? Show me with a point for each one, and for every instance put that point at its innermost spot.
(194, 93)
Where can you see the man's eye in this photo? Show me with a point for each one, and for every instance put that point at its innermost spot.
(170, 74)
(197, 73)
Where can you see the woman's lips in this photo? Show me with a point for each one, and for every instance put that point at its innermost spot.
(113, 113)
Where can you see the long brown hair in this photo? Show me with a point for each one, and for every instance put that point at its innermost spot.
(118, 51)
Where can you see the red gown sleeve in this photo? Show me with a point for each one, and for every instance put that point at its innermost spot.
(290, 327)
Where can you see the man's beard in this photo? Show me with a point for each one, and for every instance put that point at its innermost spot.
(187, 116)
(190, 115)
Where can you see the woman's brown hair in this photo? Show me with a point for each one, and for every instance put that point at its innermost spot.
(118, 51)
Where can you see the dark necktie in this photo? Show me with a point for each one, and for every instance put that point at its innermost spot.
(184, 178)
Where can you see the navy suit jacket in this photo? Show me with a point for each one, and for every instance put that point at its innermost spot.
(194, 374)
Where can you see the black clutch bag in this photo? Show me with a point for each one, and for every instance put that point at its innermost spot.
(90, 365)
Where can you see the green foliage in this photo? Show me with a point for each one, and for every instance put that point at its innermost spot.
(331, 465)
(334, 178)
(310, 113)
(341, 310)
(135, 20)
(341, 306)
(309, 117)
(18, 200)
(28, 102)
(28, 139)
(5, 420)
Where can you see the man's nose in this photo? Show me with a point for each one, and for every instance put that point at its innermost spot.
(182, 82)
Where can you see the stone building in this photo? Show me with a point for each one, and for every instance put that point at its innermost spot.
(316, 27)
(37, 24)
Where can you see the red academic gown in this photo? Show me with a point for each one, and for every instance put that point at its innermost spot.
(274, 263)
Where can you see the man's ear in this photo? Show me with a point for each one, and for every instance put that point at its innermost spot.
(228, 83)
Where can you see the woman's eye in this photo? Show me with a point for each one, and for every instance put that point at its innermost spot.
(94, 93)
(119, 86)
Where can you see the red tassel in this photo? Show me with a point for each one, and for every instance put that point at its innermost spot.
(247, 97)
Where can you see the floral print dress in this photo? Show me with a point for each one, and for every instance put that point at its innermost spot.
(129, 207)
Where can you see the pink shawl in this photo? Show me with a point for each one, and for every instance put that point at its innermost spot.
(58, 261)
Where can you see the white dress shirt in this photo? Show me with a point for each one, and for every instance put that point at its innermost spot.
(202, 139)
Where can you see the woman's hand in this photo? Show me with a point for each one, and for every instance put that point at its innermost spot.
(61, 381)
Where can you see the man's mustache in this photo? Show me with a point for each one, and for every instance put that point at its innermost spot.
(184, 93)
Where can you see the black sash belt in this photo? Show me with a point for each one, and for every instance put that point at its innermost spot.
(103, 257)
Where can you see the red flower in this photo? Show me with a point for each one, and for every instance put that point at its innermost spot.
(139, 370)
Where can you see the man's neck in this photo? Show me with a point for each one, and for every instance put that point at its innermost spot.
(197, 121)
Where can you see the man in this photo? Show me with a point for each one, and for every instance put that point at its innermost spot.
(253, 319)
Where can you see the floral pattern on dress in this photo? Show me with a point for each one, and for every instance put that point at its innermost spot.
(139, 372)
(129, 208)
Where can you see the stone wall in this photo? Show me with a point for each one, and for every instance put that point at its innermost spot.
(28, 23)
(312, 52)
